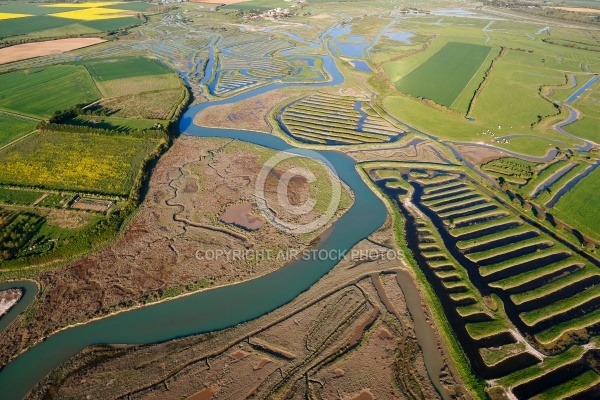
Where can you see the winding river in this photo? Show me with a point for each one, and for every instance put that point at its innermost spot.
(30, 290)
(219, 308)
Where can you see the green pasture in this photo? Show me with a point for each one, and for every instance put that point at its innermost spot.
(510, 100)
(585, 128)
(12, 127)
(579, 206)
(123, 125)
(562, 93)
(41, 91)
(124, 67)
(445, 74)
(531, 145)
(16, 196)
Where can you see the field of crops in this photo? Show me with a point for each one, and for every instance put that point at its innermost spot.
(40, 92)
(124, 67)
(58, 19)
(547, 291)
(328, 119)
(14, 127)
(444, 75)
(75, 162)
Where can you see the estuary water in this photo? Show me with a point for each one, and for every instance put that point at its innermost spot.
(219, 308)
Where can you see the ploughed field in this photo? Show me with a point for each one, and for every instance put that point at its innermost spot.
(514, 295)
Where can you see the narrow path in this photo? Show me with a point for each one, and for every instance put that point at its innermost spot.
(17, 140)
(19, 115)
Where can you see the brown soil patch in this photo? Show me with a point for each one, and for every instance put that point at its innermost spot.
(364, 394)
(578, 9)
(96, 205)
(241, 215)
(204, 394)
(360, 330)
(384, 334)
(261, 363)
(372, 364)
(38, 49)
(68, 219)
(479, 155)
(238, 355)
(320, 16)
(297, 189)
(250, 114)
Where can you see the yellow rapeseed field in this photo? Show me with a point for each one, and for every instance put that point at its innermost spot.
(12, 15)
(71, 161)
(93, 14)
(89, 4)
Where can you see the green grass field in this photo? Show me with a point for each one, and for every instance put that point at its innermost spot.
(76, 162)
(579, 206)
(510, 99)
(444, 75)
(41, 91)
(585, 128)
(21, 26)
(123, 125)
(13, 127)
(135, 84)
(125, 67)
(15, 196)
(589, 104)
